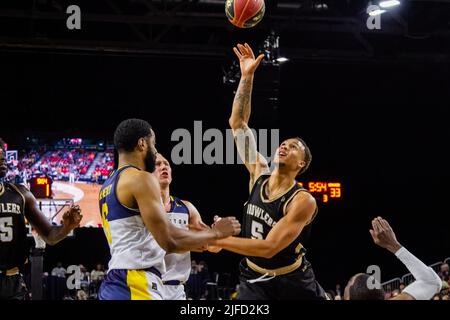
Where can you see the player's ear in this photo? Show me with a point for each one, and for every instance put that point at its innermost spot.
(141, 144)
(301, 164)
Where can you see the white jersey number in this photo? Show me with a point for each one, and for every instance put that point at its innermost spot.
(257, 230)
(6, 230)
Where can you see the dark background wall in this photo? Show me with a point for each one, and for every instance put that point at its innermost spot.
(382, 129)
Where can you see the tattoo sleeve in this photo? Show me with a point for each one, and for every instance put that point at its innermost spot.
(242, 99)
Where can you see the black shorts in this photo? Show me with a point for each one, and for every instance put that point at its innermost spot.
(299, 284)
(12, 287)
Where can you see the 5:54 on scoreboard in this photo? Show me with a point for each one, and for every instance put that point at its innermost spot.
(323, 190)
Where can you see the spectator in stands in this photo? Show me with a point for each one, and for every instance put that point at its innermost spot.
(338, 290)
(194, 269)
(59, 271)
(437, 297)
(446, 297)
(331, 294)
(97, 276)
(401, 287)
(72, 177)
(444, 273)
(85, 278)
(81, 295)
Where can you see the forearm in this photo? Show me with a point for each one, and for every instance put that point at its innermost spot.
(427, 282)
(246, 247)
(240, 113)
(56, 234)
(184, 240)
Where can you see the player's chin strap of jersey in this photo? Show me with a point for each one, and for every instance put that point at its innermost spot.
(268, 274)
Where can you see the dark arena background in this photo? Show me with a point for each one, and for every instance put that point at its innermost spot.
(373, 105)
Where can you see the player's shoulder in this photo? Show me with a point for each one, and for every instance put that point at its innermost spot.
(20, 188)
(137, 180)
(187, 204)
(303, 201)
(136, 175)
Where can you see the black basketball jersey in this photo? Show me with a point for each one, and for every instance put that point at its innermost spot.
(261, 215)
(13, 233)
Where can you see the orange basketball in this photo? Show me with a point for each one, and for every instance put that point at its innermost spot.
(245, 13)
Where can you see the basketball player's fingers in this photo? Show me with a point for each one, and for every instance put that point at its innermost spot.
(238, 54)
(372, 233)
(381, 224)
(242, 50)
(249, 50)
(375, 226)
(259, 59)
(385, 224)
(217, 218)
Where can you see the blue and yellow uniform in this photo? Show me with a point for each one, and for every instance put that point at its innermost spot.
(178, 265)
(137, 261)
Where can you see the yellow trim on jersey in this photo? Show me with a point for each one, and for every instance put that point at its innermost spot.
(298, 248)
(2, 190)
(276, 197)
(278, 271)
(138, 284)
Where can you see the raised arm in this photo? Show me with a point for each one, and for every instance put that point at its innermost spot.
(427, 282)
(144, 189)
(240, 114)
(49, 233)
(298, 214)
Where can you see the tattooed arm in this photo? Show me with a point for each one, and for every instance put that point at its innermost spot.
(240, 115)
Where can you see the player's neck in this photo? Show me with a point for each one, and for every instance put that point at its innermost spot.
(165, 194)
(280, 180)
(131, 160)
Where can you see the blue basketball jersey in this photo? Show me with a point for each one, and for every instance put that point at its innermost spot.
(132, 246)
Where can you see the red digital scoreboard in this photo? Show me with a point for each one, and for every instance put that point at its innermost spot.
(323, 190)
(41, 187)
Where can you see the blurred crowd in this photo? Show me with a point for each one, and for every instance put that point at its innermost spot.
(72, 165)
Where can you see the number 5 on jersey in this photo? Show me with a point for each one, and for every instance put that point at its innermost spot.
(6, 230)
(257, 230)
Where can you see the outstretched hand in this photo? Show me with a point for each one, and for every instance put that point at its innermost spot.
(247, 60)
(383, 235)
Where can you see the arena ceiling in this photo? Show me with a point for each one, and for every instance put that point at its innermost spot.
(316, 30)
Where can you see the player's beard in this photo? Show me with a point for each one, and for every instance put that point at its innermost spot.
(150, 161)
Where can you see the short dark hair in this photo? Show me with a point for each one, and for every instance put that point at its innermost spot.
(2, 144)
(128, 133)
(360, 291)
(308, 155)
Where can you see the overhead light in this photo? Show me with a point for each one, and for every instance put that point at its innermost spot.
(282, 59)
(389, 3)
(376, 12)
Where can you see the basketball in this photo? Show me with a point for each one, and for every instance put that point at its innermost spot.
(245, 13)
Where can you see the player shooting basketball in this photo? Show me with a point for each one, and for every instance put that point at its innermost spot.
(278, 213)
